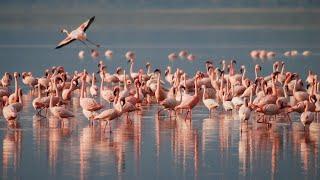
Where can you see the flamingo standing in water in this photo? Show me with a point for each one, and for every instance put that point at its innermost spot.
(77, 34)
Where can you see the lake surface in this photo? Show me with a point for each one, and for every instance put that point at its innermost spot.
(152, 147)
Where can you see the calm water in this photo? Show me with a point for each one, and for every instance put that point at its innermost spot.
(151, 146)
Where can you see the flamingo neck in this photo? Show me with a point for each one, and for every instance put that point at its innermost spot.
(66, 31)
(16, 86)
(51, 101)
(204, 92)
(295, 86)
(313, 88)
(138, 92)
(274, 89)
(285, 92)
(131, 67)
(231, 69)
(251, 95)
(92, 81)
(274, 68)
(256, 73)
(82, 89)
(125, 80)
(148, 70)
(158, 83)
(221, 84)
(101, 84)
(196, 87)
(243, 74)
(306, 107)
(39, 91)
(20, 97)
(282, 69)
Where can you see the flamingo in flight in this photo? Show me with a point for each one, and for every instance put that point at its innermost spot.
(77, 34)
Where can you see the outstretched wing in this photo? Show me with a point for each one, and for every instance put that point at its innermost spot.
(64, 42)
(84, 26)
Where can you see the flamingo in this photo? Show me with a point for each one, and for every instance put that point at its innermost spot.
(29, 80)
(133, 75)
(106, 94)
(110, 114)
(66, 93)
(6, 79)
(244, 111)
(40, 103)
(94, 88)
(307, 116)
(160, 94)
(14, 97)
(170, 102)
(18, 105)
(77, 34)
(209, 103)
(9, 111)
(190, 103)
(59, 112)
(87, 104)
(168, 75)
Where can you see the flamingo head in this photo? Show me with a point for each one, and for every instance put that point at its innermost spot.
(257, 67)
(63, 30)
(313, 98)
(166, 72)
(182, 87)
(5, 101)
(148, 65)
(16, 75)
(157, 71)
(116, 91)
(122, 102)
(137, 83)
(269, 90)
(209, 62)
(118, 70)
(24, 74)
(242, 69)
(275, 74)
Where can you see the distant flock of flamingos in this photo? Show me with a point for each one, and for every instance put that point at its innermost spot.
(220, 85)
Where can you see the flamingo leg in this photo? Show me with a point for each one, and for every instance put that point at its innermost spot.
(104, 129)
(187, 115)
(109, 127)
(86, 44)
(160, 111)
(97, 45)
(287, 114)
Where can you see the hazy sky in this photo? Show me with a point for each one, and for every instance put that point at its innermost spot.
(137, 4)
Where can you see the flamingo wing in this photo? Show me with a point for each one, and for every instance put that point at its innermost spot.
(64, 42)
(84, 26)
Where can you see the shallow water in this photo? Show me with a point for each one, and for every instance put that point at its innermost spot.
(150, 146)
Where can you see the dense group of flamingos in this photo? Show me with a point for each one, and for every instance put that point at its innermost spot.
(219, 86)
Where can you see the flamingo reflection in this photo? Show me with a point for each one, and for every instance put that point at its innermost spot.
(11, 151)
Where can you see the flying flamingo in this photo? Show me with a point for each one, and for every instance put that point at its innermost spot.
(77, 34)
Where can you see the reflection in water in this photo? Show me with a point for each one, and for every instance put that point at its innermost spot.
(198, 148)
(184, 141)
(11, 152)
